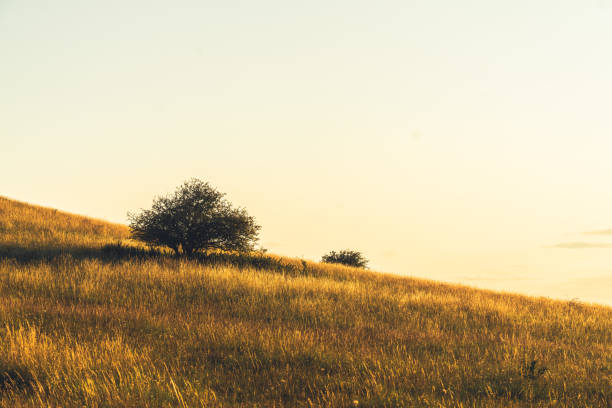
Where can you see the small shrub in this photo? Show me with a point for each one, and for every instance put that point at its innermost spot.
(346, 257)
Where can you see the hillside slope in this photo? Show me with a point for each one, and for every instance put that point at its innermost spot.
(88, 322)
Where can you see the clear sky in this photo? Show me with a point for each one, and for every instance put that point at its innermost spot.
(462, 141)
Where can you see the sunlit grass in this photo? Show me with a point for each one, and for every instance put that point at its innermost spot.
(88, 319)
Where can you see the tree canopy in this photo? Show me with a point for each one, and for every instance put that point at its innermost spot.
(196, 217)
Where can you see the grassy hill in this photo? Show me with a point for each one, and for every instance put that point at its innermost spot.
(88, 318)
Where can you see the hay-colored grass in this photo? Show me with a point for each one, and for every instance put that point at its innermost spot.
(88, 322)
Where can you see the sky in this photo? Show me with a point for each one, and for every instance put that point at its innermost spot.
(457, 141)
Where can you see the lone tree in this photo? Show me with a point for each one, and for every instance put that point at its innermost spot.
(346, 257)
(195, 217)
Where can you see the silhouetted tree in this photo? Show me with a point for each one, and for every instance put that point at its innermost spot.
(346, 257)
(195, 217)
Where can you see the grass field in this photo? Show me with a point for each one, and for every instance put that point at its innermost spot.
(89, 318)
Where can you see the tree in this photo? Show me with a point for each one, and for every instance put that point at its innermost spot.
(346, 257)
(195, 217)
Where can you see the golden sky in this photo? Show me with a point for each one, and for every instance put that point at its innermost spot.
(461, 141)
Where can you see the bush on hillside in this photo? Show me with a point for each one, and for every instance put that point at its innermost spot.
(346, 257)
(196, 217)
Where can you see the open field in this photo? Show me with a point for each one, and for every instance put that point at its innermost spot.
(89, 318)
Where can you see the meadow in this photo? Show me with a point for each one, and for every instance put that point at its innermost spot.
(91, 318)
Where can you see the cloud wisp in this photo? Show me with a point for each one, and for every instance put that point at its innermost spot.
(599, 232)
(581, 245)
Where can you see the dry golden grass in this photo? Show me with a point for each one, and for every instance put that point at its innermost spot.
(86, 322)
